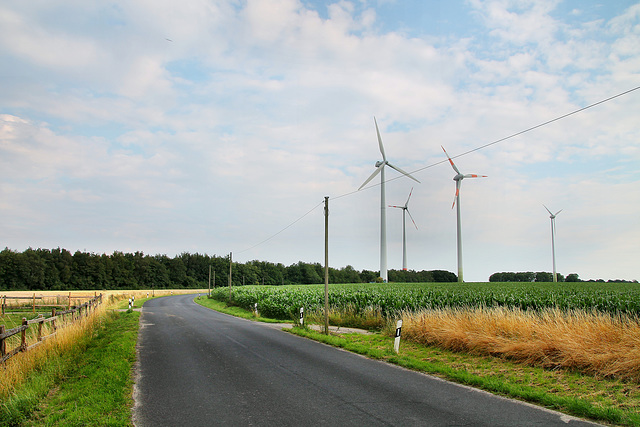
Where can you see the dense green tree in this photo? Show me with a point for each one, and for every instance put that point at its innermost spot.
(158, 272)
(543, 276)
(197, 268)
(527, 276)
(443, 276)
(368, 276)
(10, 270)
(121, 270)
(348, 274)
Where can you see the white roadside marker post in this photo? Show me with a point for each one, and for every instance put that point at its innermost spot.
(396, 342)
(301, 316)
(255, 309)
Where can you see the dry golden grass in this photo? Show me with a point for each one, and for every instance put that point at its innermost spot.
(15, 369)
(591, 342)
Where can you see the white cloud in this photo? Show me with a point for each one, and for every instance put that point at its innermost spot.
(519, 21)
(44, 47)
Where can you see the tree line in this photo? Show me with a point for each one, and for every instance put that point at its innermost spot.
(59, 269)
(543, 276)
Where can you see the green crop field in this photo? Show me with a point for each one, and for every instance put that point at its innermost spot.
(282, 302)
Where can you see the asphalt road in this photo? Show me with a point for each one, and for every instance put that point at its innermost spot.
(198, 367)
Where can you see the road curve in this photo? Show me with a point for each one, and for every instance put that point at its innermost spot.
(198, 367)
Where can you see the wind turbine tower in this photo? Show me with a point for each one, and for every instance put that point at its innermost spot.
(405, 210)
(458, 179)
(383, 204)
(553, 240)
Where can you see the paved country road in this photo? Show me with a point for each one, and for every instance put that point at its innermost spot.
(198, 367)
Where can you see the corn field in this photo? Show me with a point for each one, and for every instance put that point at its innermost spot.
(283, 302)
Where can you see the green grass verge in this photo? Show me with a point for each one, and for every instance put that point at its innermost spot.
(138, 303)
(234, 310)
(88, 386)
(599, 399)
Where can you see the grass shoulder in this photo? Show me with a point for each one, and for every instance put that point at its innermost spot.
(89, 385)
(600, 399)
(233, 310)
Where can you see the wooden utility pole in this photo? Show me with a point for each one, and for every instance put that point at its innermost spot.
(209, 279)
(230, 264)
(326, 265)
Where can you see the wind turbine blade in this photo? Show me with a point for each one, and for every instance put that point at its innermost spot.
(414, 223)
(450, 161)
(407, 203)
(384, 157)
(403, 172)
(557, 212)
(394, 206)
(455, 198)
(373, 175)
(473, 175)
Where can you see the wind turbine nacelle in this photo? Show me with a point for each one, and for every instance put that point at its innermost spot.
(378, 163)
(458, 177)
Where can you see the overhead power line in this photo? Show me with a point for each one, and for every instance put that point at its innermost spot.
(497, 141)
(481, 147)
(536, 126)
(288, 226)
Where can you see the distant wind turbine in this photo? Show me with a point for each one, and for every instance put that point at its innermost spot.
(553, 240)
(383, 205)
(458, 179)
(405, 210)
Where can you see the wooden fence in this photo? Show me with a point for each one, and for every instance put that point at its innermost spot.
(75, 313)
(31, 301)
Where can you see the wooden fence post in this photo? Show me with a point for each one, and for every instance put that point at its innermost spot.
(69, 303)
(23, 345)
(3, 346)
(40, 316)
(4, 303)
(34, 303)
(53, 315)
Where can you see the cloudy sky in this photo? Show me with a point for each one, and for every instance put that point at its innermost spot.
(214, 126)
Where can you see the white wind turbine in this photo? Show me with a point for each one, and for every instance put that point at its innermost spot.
(383, 205)
(458, 179)
(553, 240)
(405, 210)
